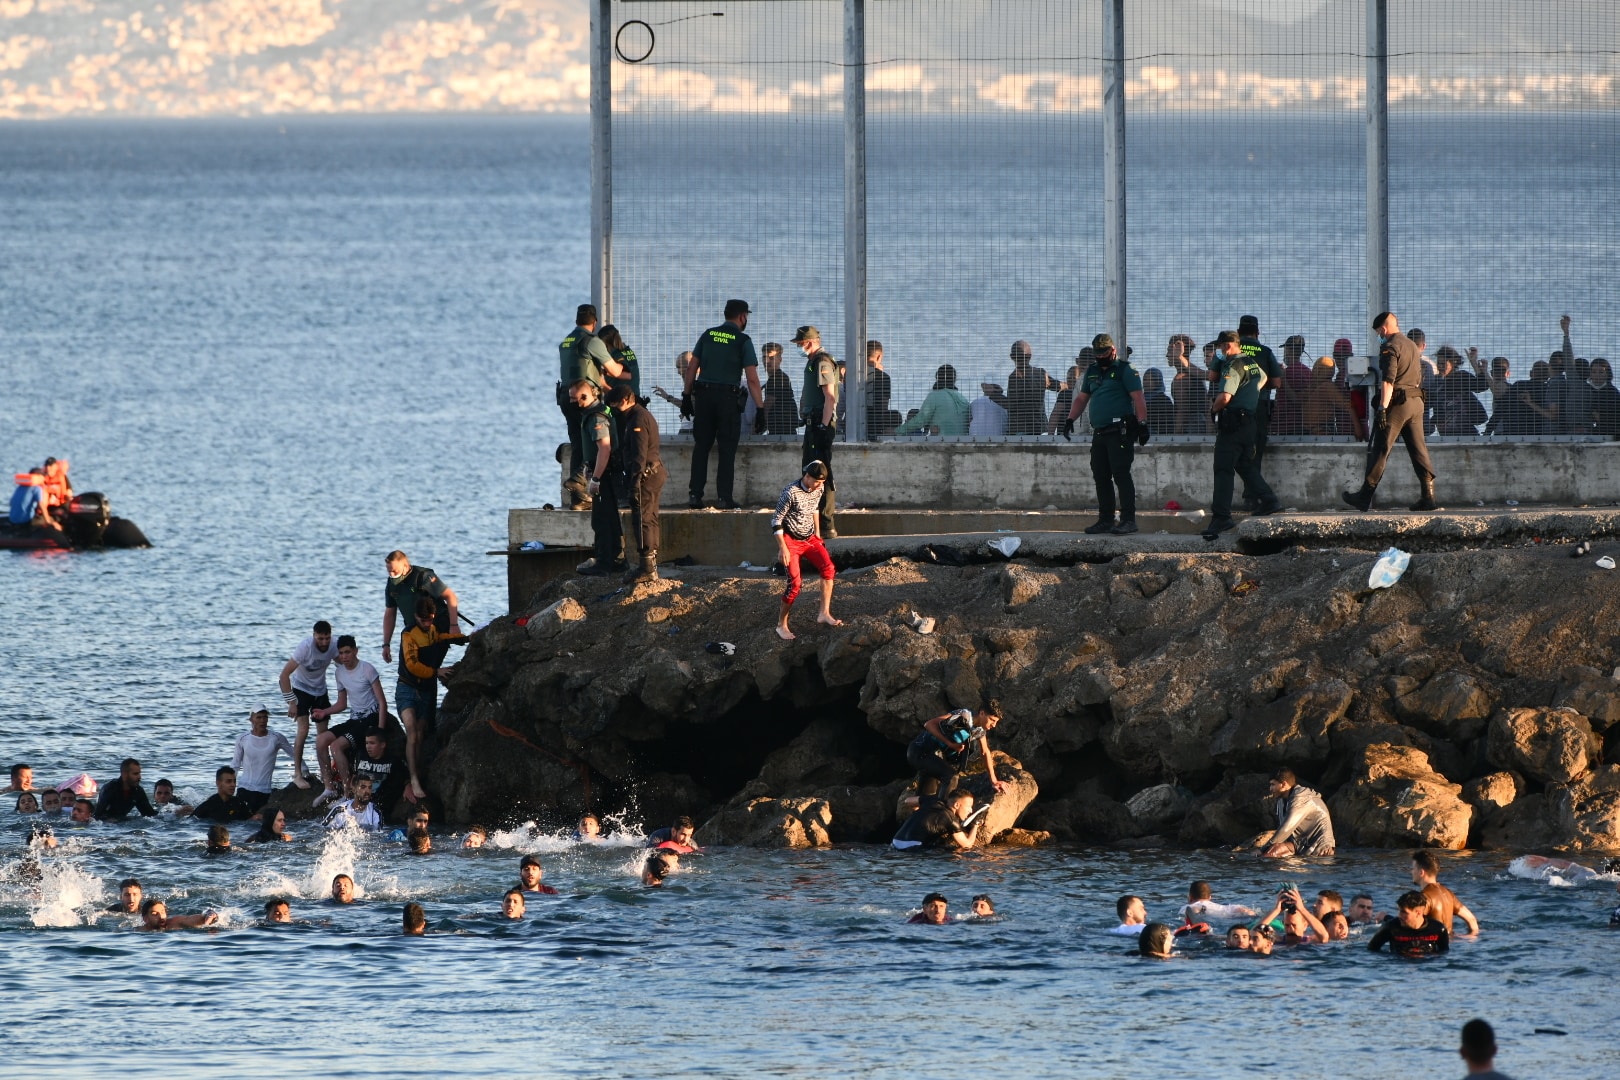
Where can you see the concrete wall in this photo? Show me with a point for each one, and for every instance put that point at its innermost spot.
(1034, 475)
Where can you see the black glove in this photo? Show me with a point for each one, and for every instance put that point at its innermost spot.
(1068, 429)
(1142, 434)
(1381, 423)
(686, 405)
(759, 421)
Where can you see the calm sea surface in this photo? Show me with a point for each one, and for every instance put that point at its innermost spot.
(285, 350)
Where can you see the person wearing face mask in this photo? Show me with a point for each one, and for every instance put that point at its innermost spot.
(1399, 408)
(1113, 392)
(1238, 382)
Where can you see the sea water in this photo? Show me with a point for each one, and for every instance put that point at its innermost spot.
(284, 349)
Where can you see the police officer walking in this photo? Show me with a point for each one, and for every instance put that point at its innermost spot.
(1256, 353)
(1119, 423)
(818, 408)
(643, 475)
(601, 454)
(582, 355)
(1238, 382)
(722, 357)
(1400, 415)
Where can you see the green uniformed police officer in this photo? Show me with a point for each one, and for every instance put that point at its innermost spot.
(581, 355)
(1113, 391)
(818, 408)
(721, 359)
(1261, 354)
(1238, 382)
(601, 454)
(643, 473)
(1400, 416)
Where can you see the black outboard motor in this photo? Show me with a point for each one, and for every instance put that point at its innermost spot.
(85, 519)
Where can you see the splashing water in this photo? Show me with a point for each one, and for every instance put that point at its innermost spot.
(68, 895)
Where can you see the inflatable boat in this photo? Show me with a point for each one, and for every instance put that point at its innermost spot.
(87, 523)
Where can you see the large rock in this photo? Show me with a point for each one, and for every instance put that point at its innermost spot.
(1008, 805)
(1451, 705)
(1592, 694)
(549, 621)
(1085, 815)
(1291, 729)
(1397, 800)
(770, 823)
(1549, 745)
(1236, 811)
(1160, 808)
(1588, 817)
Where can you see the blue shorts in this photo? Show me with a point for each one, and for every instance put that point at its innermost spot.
(415, 698)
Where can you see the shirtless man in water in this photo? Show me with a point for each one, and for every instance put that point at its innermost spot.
(1443, 903)
(155, 916)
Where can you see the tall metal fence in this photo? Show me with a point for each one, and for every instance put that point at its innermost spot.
(935, 175)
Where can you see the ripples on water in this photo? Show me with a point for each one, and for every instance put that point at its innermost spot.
(284, 350)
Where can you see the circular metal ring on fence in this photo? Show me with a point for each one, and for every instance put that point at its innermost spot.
(638, 45)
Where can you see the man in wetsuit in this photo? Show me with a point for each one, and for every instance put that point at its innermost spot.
(1303, 824)
(1400, 416)
(1444, 907)
(1412, 933)
(224, 804)
(676, 837)
(120, 796)
(941, 751)
(723, 357)
(938, 824)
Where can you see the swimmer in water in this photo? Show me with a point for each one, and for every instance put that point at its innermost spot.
(475, 838)
(512, 904)
(933, 911)
(589, 828)
(420, 841)
(413, 920)
(1261, 940)
(155, 916)
(1154, 941)
(659, 865)
(1412, 933)
(1327, 900)
(677, 837)
(1132, 916)
(1361, 910)
(27, 803)
(129, 898)
(1444, 907)
(1201, 906)
(84, 812)
(50, 802)
(1338, 927)
(343, 889)
(530, 875)
(40, 837)
(163, 793)
(1237, 937)
(983, 907)
(277, 910)
(1300, 926)
(219, 840)
(274, 827)
(1614, 916)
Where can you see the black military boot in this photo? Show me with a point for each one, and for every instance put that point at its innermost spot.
(1426, 499)
(647, 571)
(1362, 500)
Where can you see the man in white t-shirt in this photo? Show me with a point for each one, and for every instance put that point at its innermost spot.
(360, 691)
(358, 812)
(303, 687)
(255, 759)
(1132, 916)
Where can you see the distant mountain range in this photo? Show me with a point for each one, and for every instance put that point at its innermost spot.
(251, 57)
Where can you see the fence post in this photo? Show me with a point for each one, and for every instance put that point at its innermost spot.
(602, 158)
(1377, 162)
(855, 219)
(1114, 237)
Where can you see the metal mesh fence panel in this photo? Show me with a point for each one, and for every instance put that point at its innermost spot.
(1247, 192)
(984, 192)
(727, 174)
(1504, 119)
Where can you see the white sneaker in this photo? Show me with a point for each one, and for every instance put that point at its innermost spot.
(323, 798)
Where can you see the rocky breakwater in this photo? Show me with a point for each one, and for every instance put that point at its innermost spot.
(1145, 697)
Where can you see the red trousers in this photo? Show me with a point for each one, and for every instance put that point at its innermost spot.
(812, 551)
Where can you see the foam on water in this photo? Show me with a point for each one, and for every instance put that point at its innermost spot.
(68, 894)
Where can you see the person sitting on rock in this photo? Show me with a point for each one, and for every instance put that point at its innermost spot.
(941, 751)
(1201, 907)
(677, 837)
(1444, 906)
(938, 823)
(1154, 941)
(933, 911)
(1132, 916)
(1412, 933)
(1303, 825)
(531, 875)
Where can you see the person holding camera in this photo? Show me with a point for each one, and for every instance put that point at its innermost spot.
(1400, 416)
(1239, 380)
(1300, 924)
(1113, 392)
(940, 753)
(818, 408)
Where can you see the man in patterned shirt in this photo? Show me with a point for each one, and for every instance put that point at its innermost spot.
(797, 525)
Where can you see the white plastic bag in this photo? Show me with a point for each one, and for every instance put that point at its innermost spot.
(1388, 569)
(1007, 545)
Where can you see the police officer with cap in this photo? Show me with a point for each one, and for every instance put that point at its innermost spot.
(818, 406)
(581, 356)
(1238, 382)
(721, 358)
(1400, 415)
(1255, 352)
(602, 464)
(1118, 417)
(643, 475)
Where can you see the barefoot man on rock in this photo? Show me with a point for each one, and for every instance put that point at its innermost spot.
(797, 525)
